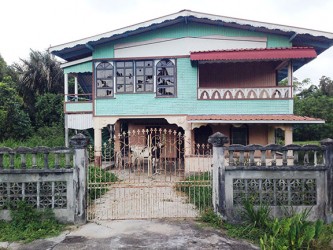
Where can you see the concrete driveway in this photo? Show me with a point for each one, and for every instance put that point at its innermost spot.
(137, 234)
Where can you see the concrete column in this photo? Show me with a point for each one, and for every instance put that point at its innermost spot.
(188, 140)
(218, 196)
(328, 143)
(79, 143)
(98, 146)
(76, 89)
(290, 77)
(66, 87)
(66, 131)
(288, 135)
(271, 135)
(116, 134)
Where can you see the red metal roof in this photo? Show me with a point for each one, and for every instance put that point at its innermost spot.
(254, 54)
(253, 119)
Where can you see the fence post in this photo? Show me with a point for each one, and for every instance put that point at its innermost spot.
(79, 143)
(218, 195)
(329, 164)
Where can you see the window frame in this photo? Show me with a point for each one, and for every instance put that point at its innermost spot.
(144, 76)
(97, 79)
(166, 78)
(147, 78)
(124, 76)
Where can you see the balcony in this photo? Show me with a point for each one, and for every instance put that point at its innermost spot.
(78, 103)
(265, 93)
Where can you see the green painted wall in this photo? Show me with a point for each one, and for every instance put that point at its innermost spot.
(189, 30)
(186, 101)
(79, 68)
(79, 107)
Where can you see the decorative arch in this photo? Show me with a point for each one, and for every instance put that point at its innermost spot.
(216, 95)
(264, 94)
(252, 95)
(228, 95)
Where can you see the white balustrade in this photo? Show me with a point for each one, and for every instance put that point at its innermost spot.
(244, 93)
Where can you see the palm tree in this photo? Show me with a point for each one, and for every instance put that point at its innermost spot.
(37, 75)
(40, 73)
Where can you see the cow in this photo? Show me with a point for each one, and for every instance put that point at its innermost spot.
(140, 153)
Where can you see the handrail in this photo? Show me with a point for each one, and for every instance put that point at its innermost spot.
(78, 97)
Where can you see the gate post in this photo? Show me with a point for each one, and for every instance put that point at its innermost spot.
(219, 203)
(329, 164)
(79, 143)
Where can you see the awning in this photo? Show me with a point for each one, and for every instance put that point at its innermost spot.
(255, 119)
(255, 54)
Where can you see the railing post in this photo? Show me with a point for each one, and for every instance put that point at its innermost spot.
(218, 195)
(79, 143)
(329, 164)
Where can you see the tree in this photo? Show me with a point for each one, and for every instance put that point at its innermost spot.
(315, 102)
(326, 86)
(14, 121)
(3, 68)
(38, 75)
(49, 110)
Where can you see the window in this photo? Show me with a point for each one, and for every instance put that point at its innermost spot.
(124, 77)
(165, 78)
(104, 80)
(144, 76)
(141, 76)
(239, 135)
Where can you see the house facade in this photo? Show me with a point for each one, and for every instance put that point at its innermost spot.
(191, 72)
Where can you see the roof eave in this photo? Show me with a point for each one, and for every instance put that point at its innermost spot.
(186, 15)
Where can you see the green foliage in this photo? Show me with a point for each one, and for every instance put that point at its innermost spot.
(315, 102)
(257, 216)
(99, 178)
(49, 110)
(292, 233)
(38, 75)
(46, 136)
(29, 224)
(3, 68)
(198, 190)
(210, 217)
(15, 123)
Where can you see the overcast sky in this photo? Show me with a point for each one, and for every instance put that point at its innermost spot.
(37, 24)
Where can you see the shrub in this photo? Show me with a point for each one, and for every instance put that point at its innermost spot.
(29, 224)
(292, 233)
(257, 216)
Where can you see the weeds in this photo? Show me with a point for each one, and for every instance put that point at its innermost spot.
(292, 233)
(210, 217)
(99, 179)
(198, 190)
(29, 224)
(257, 216)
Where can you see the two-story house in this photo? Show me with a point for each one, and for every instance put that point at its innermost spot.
(193, 72)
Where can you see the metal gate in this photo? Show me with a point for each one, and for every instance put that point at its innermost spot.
(151, 173)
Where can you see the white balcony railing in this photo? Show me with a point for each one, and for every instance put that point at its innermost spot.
(244, 93)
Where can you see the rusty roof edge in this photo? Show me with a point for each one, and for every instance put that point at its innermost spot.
(288, 118)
